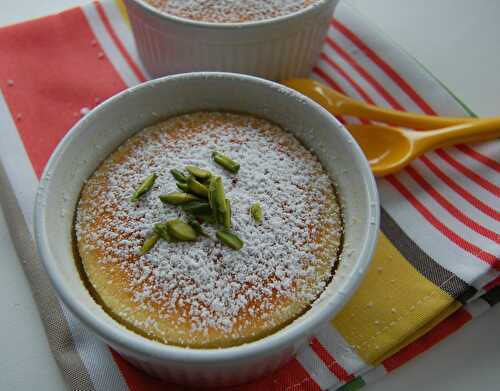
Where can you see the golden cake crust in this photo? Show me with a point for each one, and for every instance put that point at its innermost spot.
(160, 297)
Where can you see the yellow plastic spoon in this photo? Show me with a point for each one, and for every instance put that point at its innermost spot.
(339, 104)
(389, 149)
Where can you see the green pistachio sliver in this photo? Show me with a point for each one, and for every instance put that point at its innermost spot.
(197, 208)
(211, 193)
(149, 243)
(229, 239)
(144, 187)
(181, 230)
(179, 175)
(183, 186)
(198, 172)
(178, 198)
(197, 227)
(226, 162)
(256, 212)
(162, 230)
(196, 187)
(219, 196)
(217, 199)
(227, 215)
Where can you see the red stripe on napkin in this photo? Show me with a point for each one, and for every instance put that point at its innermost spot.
(330, 361)
(478, 157)
(484, 183)
(455, 212)
(438, 333)
(334, 66)
(459, 241)
(388, 70)
(119, 44)
(346, 76)
(362, 71)
(465, 194)
(39, 57)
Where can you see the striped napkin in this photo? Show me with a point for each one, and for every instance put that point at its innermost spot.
(437, 263)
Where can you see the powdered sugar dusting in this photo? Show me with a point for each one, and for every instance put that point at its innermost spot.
(206, 287)
(230, 11)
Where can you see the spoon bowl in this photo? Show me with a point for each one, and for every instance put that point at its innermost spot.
(387, 149)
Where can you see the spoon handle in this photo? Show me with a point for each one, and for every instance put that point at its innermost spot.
(479, 130)
(339, 104)
(399, 118)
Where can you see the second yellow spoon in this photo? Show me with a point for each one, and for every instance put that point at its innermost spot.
(389, 149)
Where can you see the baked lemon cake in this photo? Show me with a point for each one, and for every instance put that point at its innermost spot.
(208, 230)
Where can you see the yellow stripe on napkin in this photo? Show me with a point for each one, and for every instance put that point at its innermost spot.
(393, 301)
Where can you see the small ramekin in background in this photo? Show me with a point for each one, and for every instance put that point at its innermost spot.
(275, 49)
(106, 127)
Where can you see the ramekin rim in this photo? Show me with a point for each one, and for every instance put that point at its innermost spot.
(231, 25)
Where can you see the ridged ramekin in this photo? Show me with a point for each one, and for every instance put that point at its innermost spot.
(275, 49)
(100, 132)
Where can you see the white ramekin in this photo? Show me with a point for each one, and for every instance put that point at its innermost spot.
(111, 123)
(275, 49)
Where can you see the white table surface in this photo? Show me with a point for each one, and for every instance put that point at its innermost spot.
(458, 40)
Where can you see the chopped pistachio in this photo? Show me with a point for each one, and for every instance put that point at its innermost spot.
(197, 188)
(256, 212)
(198, 172)
(181, 230)
(226, 162)
(162, 230)
(179, 175)
(197, 208)
(227, 214)
(178, 198)
(216, 196)
(149, 243)
(211, 193)
(183, 186)
(229, 239)
(144, 187)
